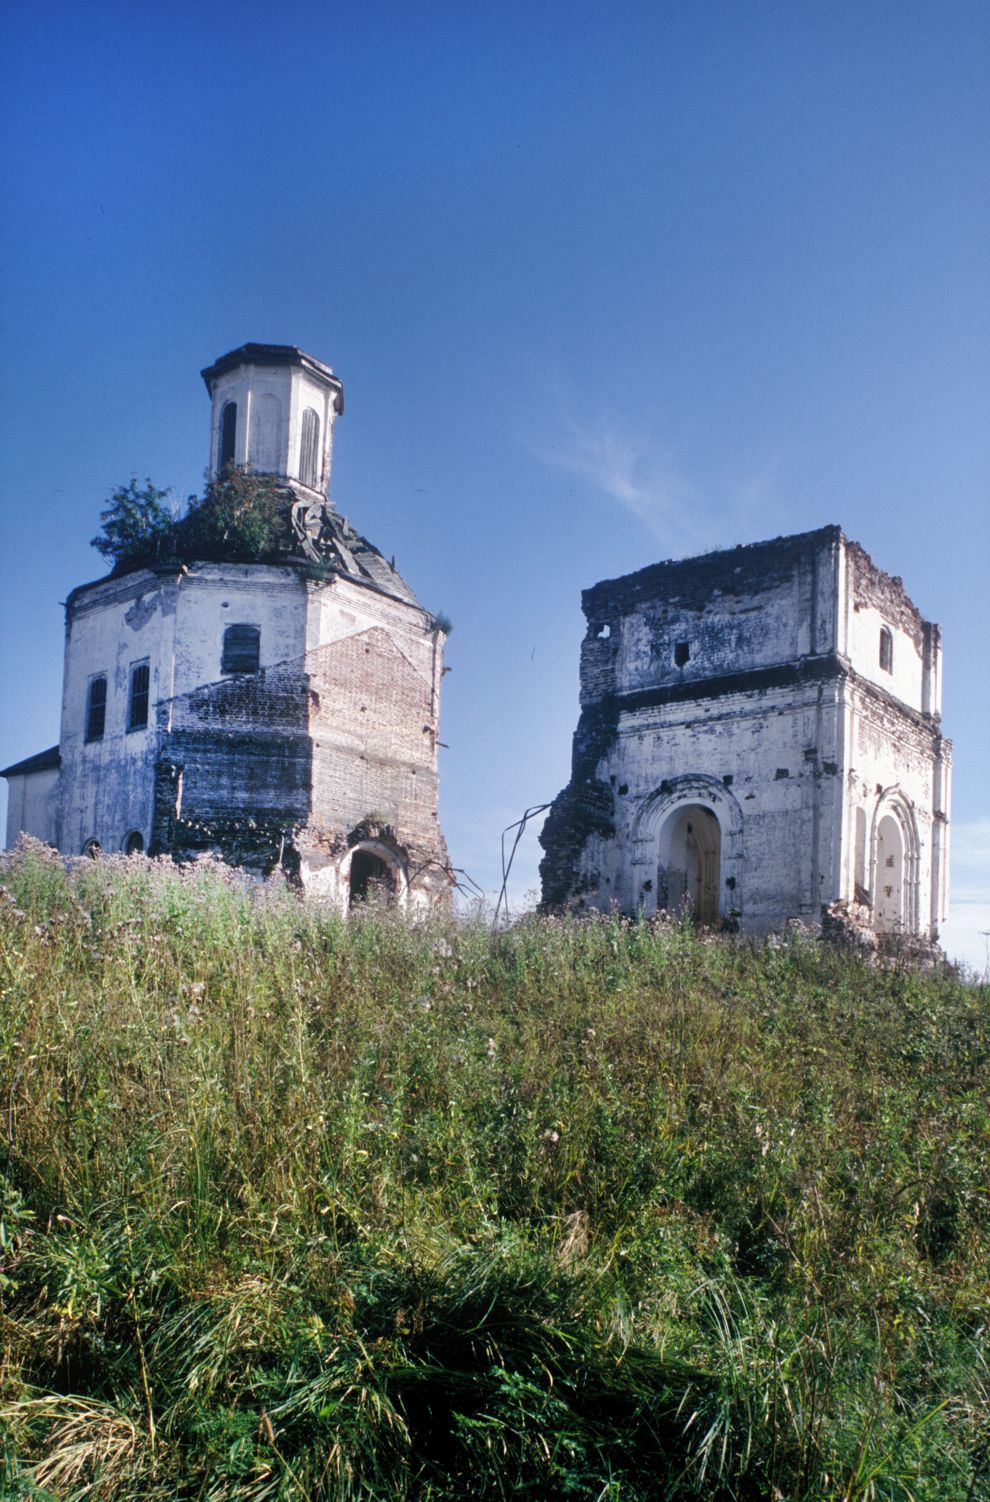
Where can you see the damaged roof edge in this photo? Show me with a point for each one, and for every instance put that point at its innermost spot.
(723, 558)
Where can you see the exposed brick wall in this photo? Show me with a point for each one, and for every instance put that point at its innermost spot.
(374, 727)
(235, 768)
(870, 586)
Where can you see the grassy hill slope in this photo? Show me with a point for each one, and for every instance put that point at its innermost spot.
(298, 1208)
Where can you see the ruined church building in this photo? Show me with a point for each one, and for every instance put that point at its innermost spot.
(759, 738)
(759, 741)
(281, 714)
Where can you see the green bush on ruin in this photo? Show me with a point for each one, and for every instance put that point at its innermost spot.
(241, 515)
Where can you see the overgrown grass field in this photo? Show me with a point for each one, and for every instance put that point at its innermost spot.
(292, 1207)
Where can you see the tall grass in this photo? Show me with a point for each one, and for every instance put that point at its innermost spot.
(292, 1207)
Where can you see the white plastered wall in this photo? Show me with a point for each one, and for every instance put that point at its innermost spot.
(32, 806)
(176, 623)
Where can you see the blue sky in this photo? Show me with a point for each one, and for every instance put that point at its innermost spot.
(605, 284)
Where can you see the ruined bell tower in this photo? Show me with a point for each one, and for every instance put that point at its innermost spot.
(759, 741)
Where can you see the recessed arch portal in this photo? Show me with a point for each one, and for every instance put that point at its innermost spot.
(890, 876)
(374, 872)
(689, 865)
(896, 854)
(687, 851)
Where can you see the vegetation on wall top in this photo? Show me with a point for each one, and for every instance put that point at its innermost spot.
(240, 515)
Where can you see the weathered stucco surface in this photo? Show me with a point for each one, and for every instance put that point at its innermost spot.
(747, 686)
(279, 767)
(321, 757)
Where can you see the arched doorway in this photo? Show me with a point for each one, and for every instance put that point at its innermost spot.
(889, 911)
(370, 876)
(690, 863)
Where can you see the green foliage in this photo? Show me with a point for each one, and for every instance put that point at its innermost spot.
(137, 524)
(294, 1207)
(240, 515)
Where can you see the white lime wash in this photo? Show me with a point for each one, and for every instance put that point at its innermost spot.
(282, 714)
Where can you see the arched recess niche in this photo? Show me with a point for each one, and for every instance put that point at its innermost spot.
(371, 865)
(665, 872)
(265, 450)
(895, 859)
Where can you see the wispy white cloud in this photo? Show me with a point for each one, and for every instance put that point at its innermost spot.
(684, 510)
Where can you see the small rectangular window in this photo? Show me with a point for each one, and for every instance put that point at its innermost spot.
(96, 708)
(886, 650)
(681, 653)
(241, 649)
(137, 703)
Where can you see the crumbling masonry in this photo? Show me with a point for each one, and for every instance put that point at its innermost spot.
(279, 715)
(759, 741)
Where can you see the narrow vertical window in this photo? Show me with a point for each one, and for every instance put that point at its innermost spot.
(886, 650)
(309, 451)
(96, 708)
(860, 874)
(137, 703)
(241, 649)
(228, 434)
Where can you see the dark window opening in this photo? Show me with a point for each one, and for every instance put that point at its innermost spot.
(370, 876)
(681, 653)
(886, 650)
(134, 844)
(96, 709)
(92, 848)
(241, 649)
(309, 453)
(137, 704)
(228, 434)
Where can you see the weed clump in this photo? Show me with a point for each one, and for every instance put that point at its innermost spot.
(294, 1207)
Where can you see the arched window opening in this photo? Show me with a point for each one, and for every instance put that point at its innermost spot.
(889, 902)
(137, 701)
(134, 844)
(96, 708)
(228, 434)
(370, 877)
(690, 864)
(309, 452)
(886, 650)
(92, 848)
(241, 649)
